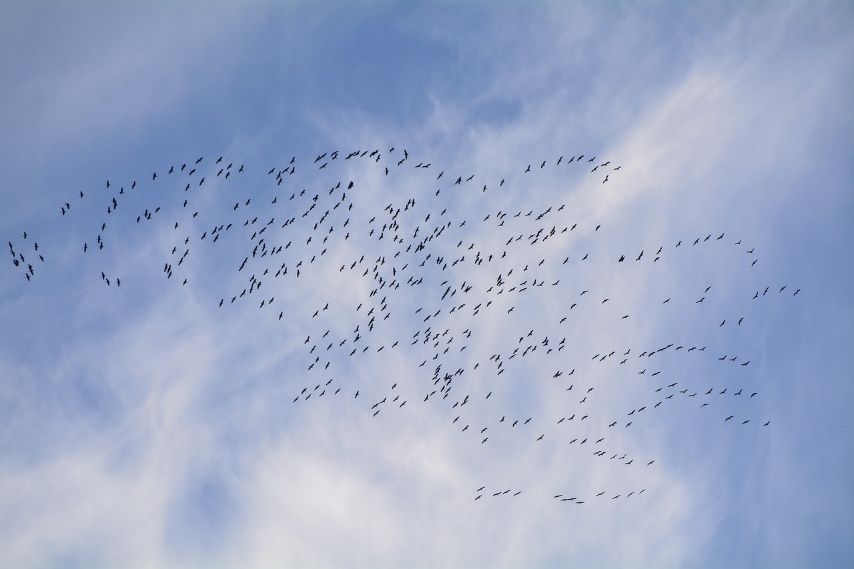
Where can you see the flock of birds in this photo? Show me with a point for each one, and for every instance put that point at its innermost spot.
(419, 282)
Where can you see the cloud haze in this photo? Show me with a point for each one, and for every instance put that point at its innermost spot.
(145, 427)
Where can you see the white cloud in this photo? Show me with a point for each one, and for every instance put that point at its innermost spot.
(174, 439)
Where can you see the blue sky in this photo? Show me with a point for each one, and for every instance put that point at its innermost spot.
(145, 427)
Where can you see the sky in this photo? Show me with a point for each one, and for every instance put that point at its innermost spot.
(144, 426)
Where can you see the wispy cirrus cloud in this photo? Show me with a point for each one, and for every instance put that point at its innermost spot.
(160, 431)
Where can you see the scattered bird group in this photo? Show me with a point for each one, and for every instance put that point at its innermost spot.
(457, 283)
